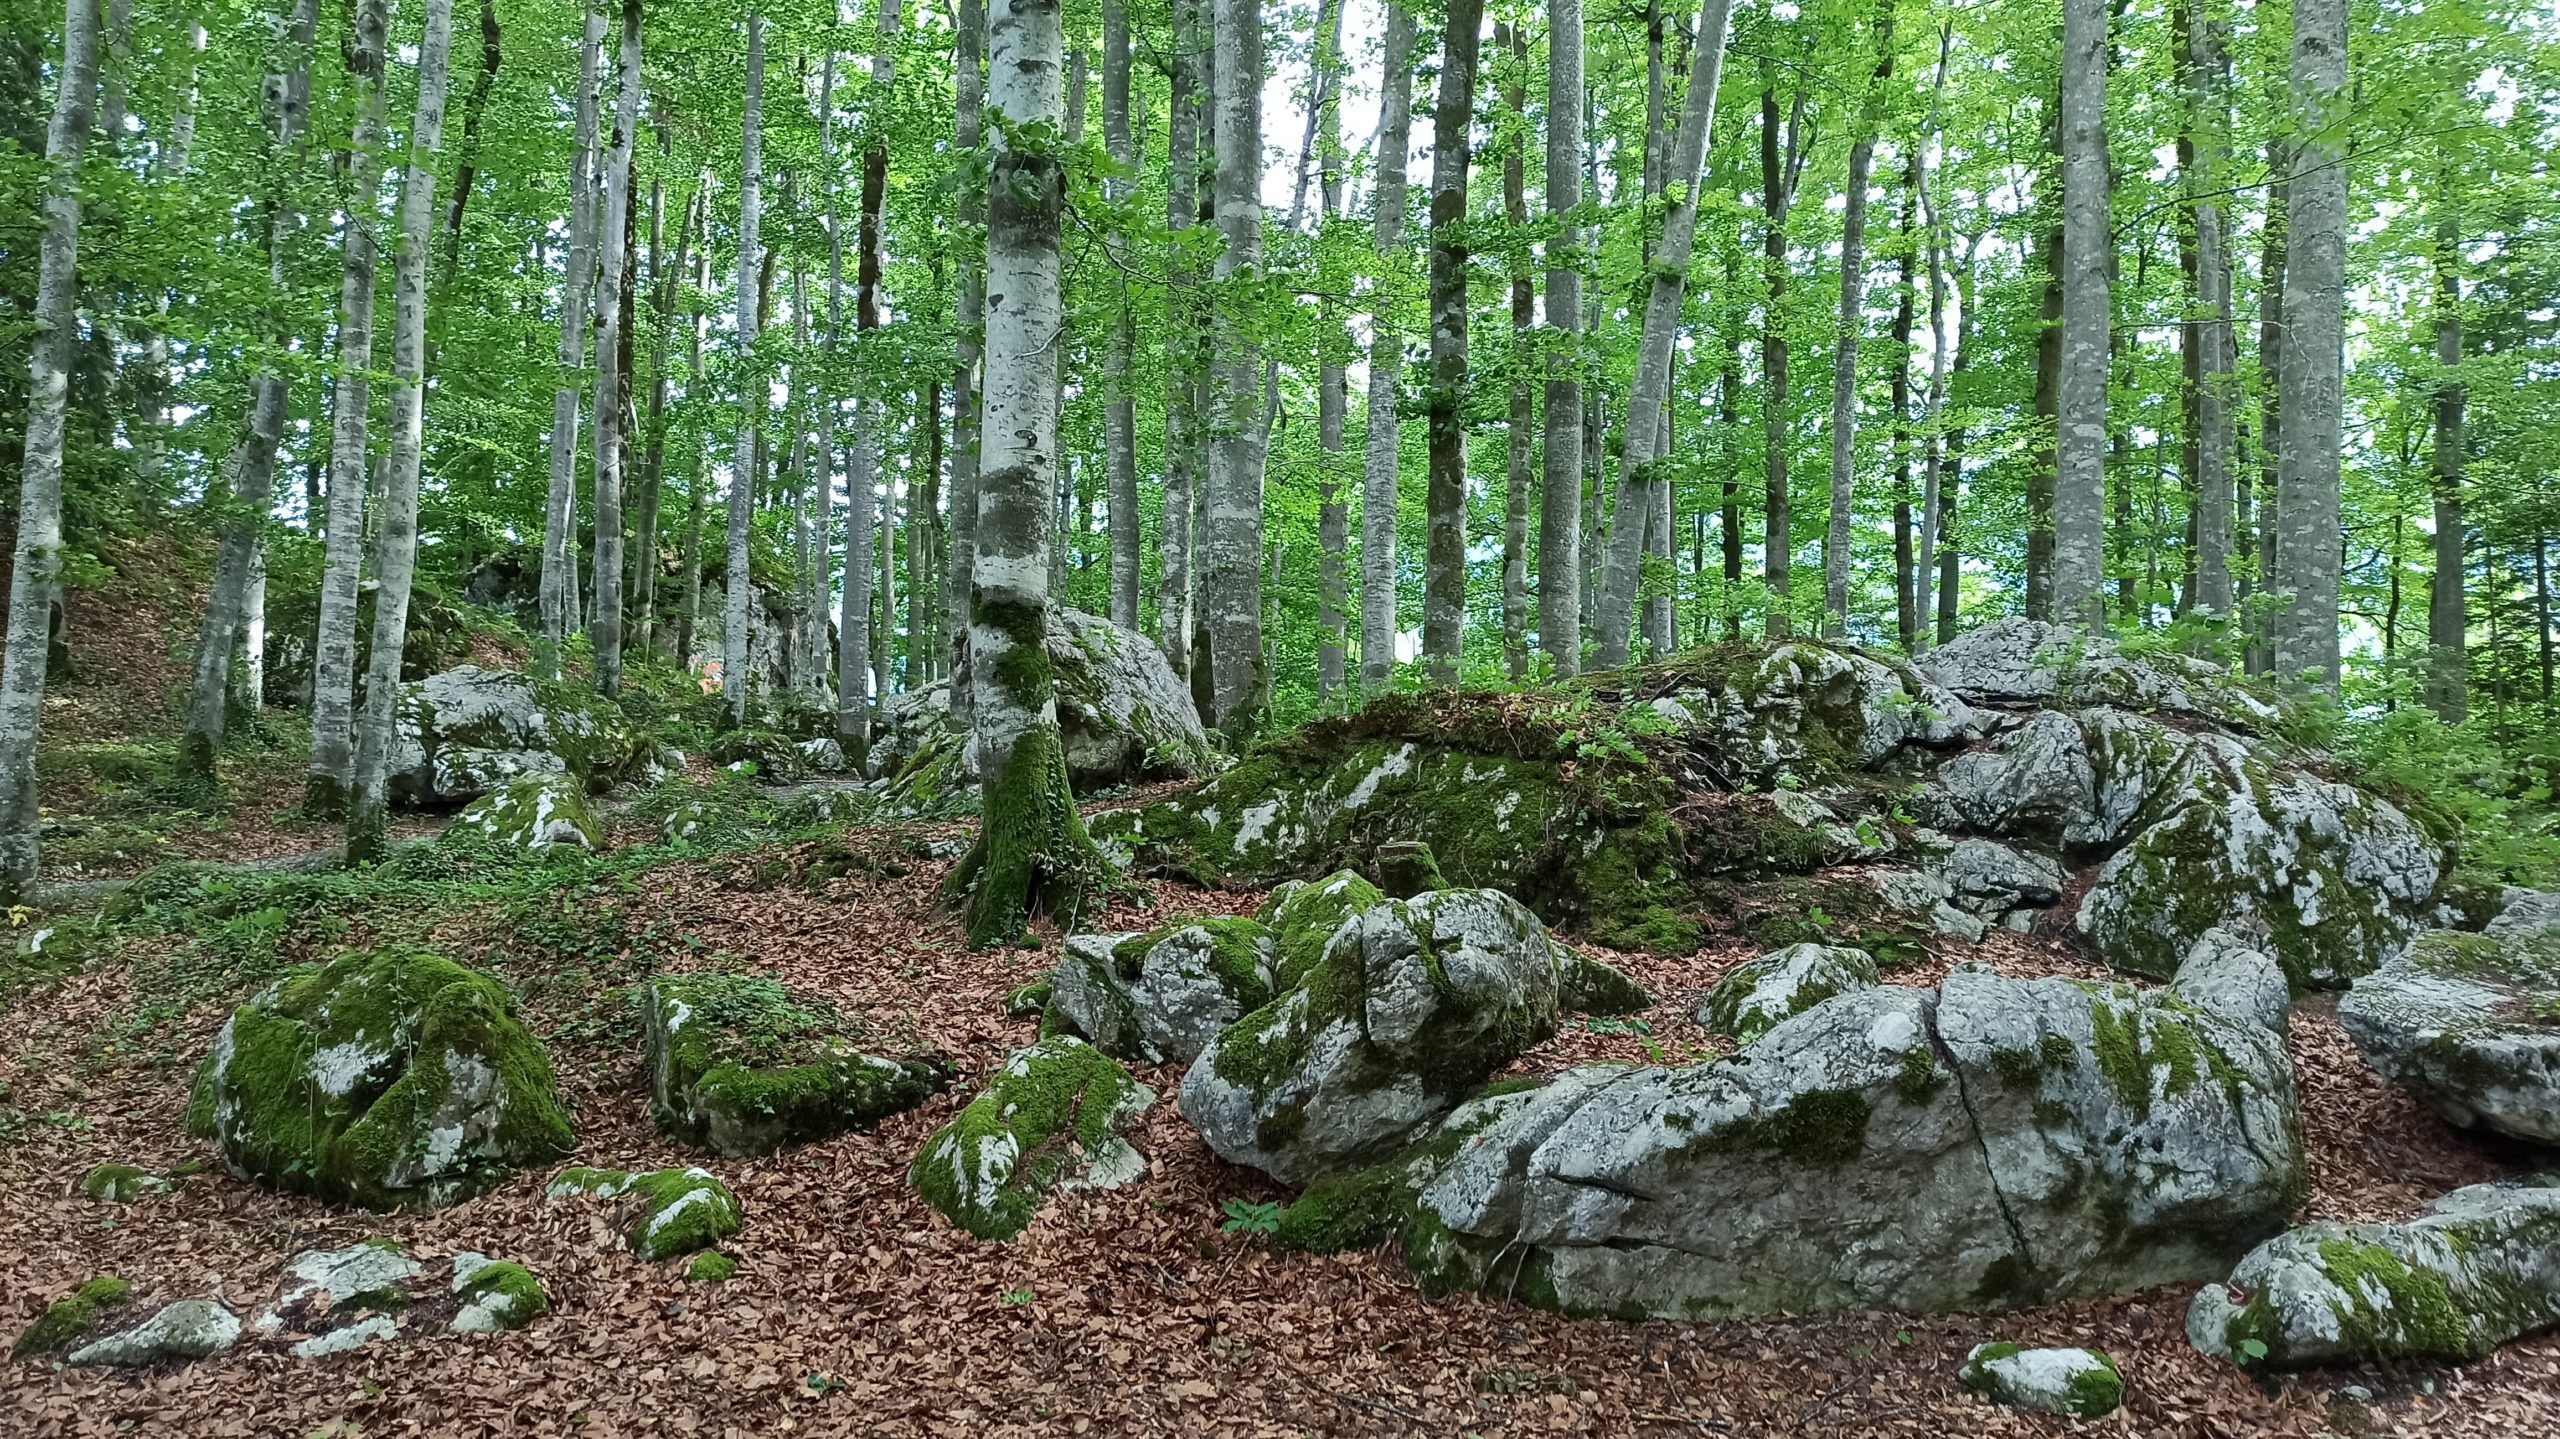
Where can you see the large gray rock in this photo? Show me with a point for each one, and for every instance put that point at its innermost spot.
(1415, 1004)
(188, 1329)
(2235, 977)
(1161, 997)
(2480, 1267)
(2089, 1140)
(1803, 705)
(2466, 1022)
(536, 812)
(2001, 884)
(2020, 659)
(2034, 781)
(1052, 1118)
(741, 1066)
(459, 734)
(1759, 994)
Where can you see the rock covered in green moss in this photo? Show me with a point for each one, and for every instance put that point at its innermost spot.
(740, 1065)
(1406, 867)
(2078, 1383)
(1995, 1143)
(535, 813)
(2466, 1023)
(462, 733)
(1414, 1005)
(769, 757)
(2032, 660)
(692, 820)
(1303, 916)
(72, 1318)
(1051, 1118)
(1586, 986)
(387, 1078)
(122, 1184)
(186, 1330)
(711, 1267)
(1757, 995)
(1160, 997)
(1372, 1205)
(494, 1295)
(665, 1212)
(2473, 1272)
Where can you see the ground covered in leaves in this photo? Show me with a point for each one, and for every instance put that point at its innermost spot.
(858, 1310)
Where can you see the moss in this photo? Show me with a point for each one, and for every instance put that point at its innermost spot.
(1032, 855)
(2115, 1040)
(1919, 1079)
(1406, 868)
(2391, 1308)
(711, 1267)
(1052, 1108)
(679, 1211)
(2006, 1281)
(2057, 1051)
(1354, 1211)
(1030, 1001)
(1590, 987)
(2093, 1393)
(68, 1320)
(121, 1183)
(1304, 920)
(1824, 1127)
(742, 1065)
(2020, 1067)
(507, 1289)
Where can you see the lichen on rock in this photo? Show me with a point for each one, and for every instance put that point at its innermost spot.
(740, 1065)
(185, 1330)
(1757, 995)
(390, 1078)
(494, 1295)
(2076, 1383)
(2466, 1023)
(666, 1212)
(1051, 1118)
(537, 812)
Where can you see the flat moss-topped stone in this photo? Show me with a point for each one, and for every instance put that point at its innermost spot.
(1415, 1004)
(1586, 986)
(2078, 1383)
(186, 1330)
(320, 1283)
(2472, 1273)
(72, 1318)
(1757, 995)
(1160, 997)
(462, 733)
(769, 757)
(535, 813)
(1051, 1118)
(2470, 1024)
(670, 1211)
(740, 1065)
(494, 1295)
(390, 1078)
(122, 1184)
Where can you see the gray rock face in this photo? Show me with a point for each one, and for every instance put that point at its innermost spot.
(189, 1329)
(2079, 1383)
(2020, 659)
(1414, 1004)
(459, 734)
(1160, 998)
(1052, 1118)
(2524, 912)
(1802, 701)
(2233, 976)
(2000, 884)
(1757, 995)
(537, 812)
(2089, 1140)
(741, 1066)
(2465, 1022)
(322, 1282)
(2034, 780)
(2481, 1267)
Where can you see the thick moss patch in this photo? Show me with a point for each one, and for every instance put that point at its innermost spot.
(740, 1065)
(1051, 1117)
(68, 1320)
(669, 1211)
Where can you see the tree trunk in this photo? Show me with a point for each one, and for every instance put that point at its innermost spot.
(324, 794)
(1383, 447)
(1777, 535)
(1560, 494)
(971, 301)
(1636, 479)
(1333, 396)
(157, 383)
(1523, 418)
(2209, 335)
(923, 515)
(853, 703)
(467, 164)
(36, 564)
(1444, 562)
(248, 491)
(2448, 660)
(751, 393)
(605, 635)
(559, 586)
(1231, 582)
(1031, 854)
(2307, 559)
(397, 557)
(1951, 464)
(1120, 411)
(1906, 603)
(1844, 354)
(2271, 271)
(644, 568)
(1175, 538)
(2080, 414)
(689, 618)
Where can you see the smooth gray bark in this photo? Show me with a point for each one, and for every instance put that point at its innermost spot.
(559, 586)
(970, 298)
(1778, 535)
(2448, 659)
(1333, 399)
(1231, 543)
(2209, 331)
(1120, 411)
(1612, 626)
(1383, 447)
(334, 650)
(605, 633)
(1560, 496)
(2080, 416)
(751, 396)
(396, 560)
(1837, 540)
(1511, 49)
(1444, 534)
(36, 562)
(2313, 380)
(1176, 541)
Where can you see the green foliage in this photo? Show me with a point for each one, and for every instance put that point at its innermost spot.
(1256, 1220)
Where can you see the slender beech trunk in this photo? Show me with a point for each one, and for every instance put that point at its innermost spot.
(168, 166)
(751, 392)
(1836, 541)
(560, 515)
(1906, 604)
(1560, 493)
(1383, 447)
(1444, 544)
(248, 490)
(396, 560)
(1777, 534)
(1175, 540)
(2448, 661)
(1120, 410)
(1951, 465)
(2047, 402)
(1231, 545)
(870, 421)
(36, 563)
(466, 167)
(1031, 854)
(1513, 43)
(2271, 271)
(924, 500)
(2204, 147)
(1661, 323)
(2080, 414)
(2313, 382)
(324, 794)
(653, 465)
(1333, 395)
(1933, 448)
(689, 617)
(612, 374)
(1729, 420)
(971, 300)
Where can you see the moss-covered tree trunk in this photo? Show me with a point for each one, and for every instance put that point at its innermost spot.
(1032, 854)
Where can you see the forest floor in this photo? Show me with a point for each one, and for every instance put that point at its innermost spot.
(856, 1309)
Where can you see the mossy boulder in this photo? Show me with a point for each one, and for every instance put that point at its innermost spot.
(1415, 1004)
(1303, 915)
(1372, 1206)
(2473, 1272)
(186, 1330)
(122, 1184)
(1160, 997)
(663, 1212)
(2469, 1023)
(739, 1065)
(494, 1295)
(464, 732)
(389, 1078)
(2076, 1383)
(321, 1285)
(536, 812)
(711, 1267)
(1586, 986)
(1051, 1118)
(72, 1318)
(771, 758)
(1995, 1143)
(1758, 995)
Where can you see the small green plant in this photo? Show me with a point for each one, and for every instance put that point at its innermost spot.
(1244, 1216)
(822, 1385)
(1018, 1297)
(2253, 1350)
